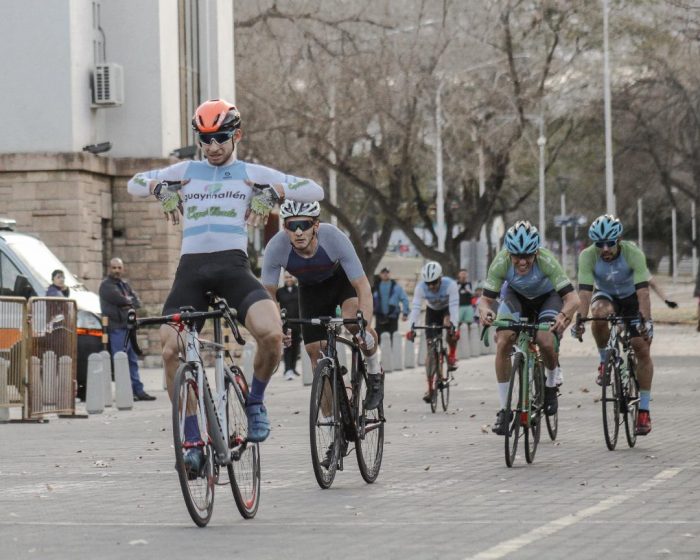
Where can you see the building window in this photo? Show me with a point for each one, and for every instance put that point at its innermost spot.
(188, 16)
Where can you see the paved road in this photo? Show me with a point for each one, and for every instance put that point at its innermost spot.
(105, 487)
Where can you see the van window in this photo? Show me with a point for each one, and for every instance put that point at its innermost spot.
(8, 276)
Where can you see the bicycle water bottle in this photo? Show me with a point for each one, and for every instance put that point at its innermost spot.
(338, 312)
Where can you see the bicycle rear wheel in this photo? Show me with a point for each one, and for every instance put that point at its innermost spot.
(444, 382)
(630, 392)
(369, 446)
(611, 400)
(197, 488)
(513, 409)
(552, 425)
(324, 424)
(534, 415)
(244, 469)
(433, 377)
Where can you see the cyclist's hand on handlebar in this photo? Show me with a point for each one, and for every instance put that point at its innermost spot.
(287, 338)
(366, 340)
(577, 330)
(559, 323)
(646, 329)
(486, 317)
(453, 333)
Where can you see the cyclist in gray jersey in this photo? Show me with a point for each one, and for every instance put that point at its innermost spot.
(330, 274)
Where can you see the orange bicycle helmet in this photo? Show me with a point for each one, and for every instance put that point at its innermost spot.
(216, 115)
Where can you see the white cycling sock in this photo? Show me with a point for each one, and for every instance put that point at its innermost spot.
(373, 366)
(551, 377)
(503, 393)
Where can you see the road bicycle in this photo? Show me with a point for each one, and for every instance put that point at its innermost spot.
(337, 416)
(219, 412)
(439, 378)
(620, 387)
(525, 403)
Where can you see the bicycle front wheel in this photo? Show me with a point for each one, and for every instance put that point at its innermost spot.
(513, 410)
(534, 415)
(433, 377)
(244, 469)
(369, 446)
(630, 392)
(444, 383)
(324, 425)
(611, 400)
(197, 487)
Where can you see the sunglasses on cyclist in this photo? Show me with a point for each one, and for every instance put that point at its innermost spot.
(303, 225)
(523, 256)
(609, 244)
(433, 283)
(219, 137)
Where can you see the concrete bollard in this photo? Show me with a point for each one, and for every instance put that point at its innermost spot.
(397, 350)
(95, 392)
(463, 350)
(248, 360)
(422, 348)
(387, 356)
(124, 395)
(49, 377)
(409, 354)
(4, 395)
(307, 373)
(65, 383)
(474, 342)
(35, 382)
(107, 376)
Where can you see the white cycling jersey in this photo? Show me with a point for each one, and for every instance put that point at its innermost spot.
(216, 199)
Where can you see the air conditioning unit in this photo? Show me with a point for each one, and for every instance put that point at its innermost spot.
(108, 85)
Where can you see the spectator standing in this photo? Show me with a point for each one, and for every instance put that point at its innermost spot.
(389, 299)
(288, 298)
(464, 287)
(116, 299)
(58, 287)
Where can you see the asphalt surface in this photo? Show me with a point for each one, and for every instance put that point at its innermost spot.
(105, 487)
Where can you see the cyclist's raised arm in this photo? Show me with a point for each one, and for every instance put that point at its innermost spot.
(142, 184)
(294, 188)
(418, 297)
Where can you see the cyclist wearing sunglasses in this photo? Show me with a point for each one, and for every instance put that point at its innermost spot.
(539, 290)
(218, 197)
(330, 274)
(613, 278)
(441, 295)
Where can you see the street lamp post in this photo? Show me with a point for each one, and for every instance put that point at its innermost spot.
(439, 195)
(541, 142)
(693, 237)
(609, 192)
(640, 224)
(674, 239)
(562, 184)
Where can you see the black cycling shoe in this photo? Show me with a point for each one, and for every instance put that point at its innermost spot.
(427, 398)
(551, 402)
(500, 426)
(326, 463)
(375, 391)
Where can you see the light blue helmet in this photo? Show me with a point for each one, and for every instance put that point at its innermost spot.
(605, 228)
(522, 239)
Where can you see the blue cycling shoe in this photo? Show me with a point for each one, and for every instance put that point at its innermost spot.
(258, 422)
(194, 461)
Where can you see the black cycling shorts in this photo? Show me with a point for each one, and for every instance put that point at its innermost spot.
(624, 307)
(226, 273)
(435, 317)
(319, 300)
(516, 306)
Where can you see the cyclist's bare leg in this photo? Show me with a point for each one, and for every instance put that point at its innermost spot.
(545, 340)
(504, 346)
(645, 367)
(263, 323)
(601, 330)
(169, 350)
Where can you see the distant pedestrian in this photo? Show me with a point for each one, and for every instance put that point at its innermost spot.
(116, 299)
(464, 286)
(58, 287)
(288, 298)
(390, 301)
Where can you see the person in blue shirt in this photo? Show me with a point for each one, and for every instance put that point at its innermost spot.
(390, 301)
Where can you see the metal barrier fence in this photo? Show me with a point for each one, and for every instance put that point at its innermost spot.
(38, 355)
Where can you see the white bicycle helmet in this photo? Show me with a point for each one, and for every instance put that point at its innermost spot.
(431, 271)
(605, 228)
(522, 239)
(290, 209)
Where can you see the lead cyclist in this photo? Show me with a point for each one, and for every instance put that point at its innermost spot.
(217, 199)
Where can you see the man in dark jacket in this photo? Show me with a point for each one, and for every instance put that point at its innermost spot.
(116, 299)
(288, 298)
(58, 286)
